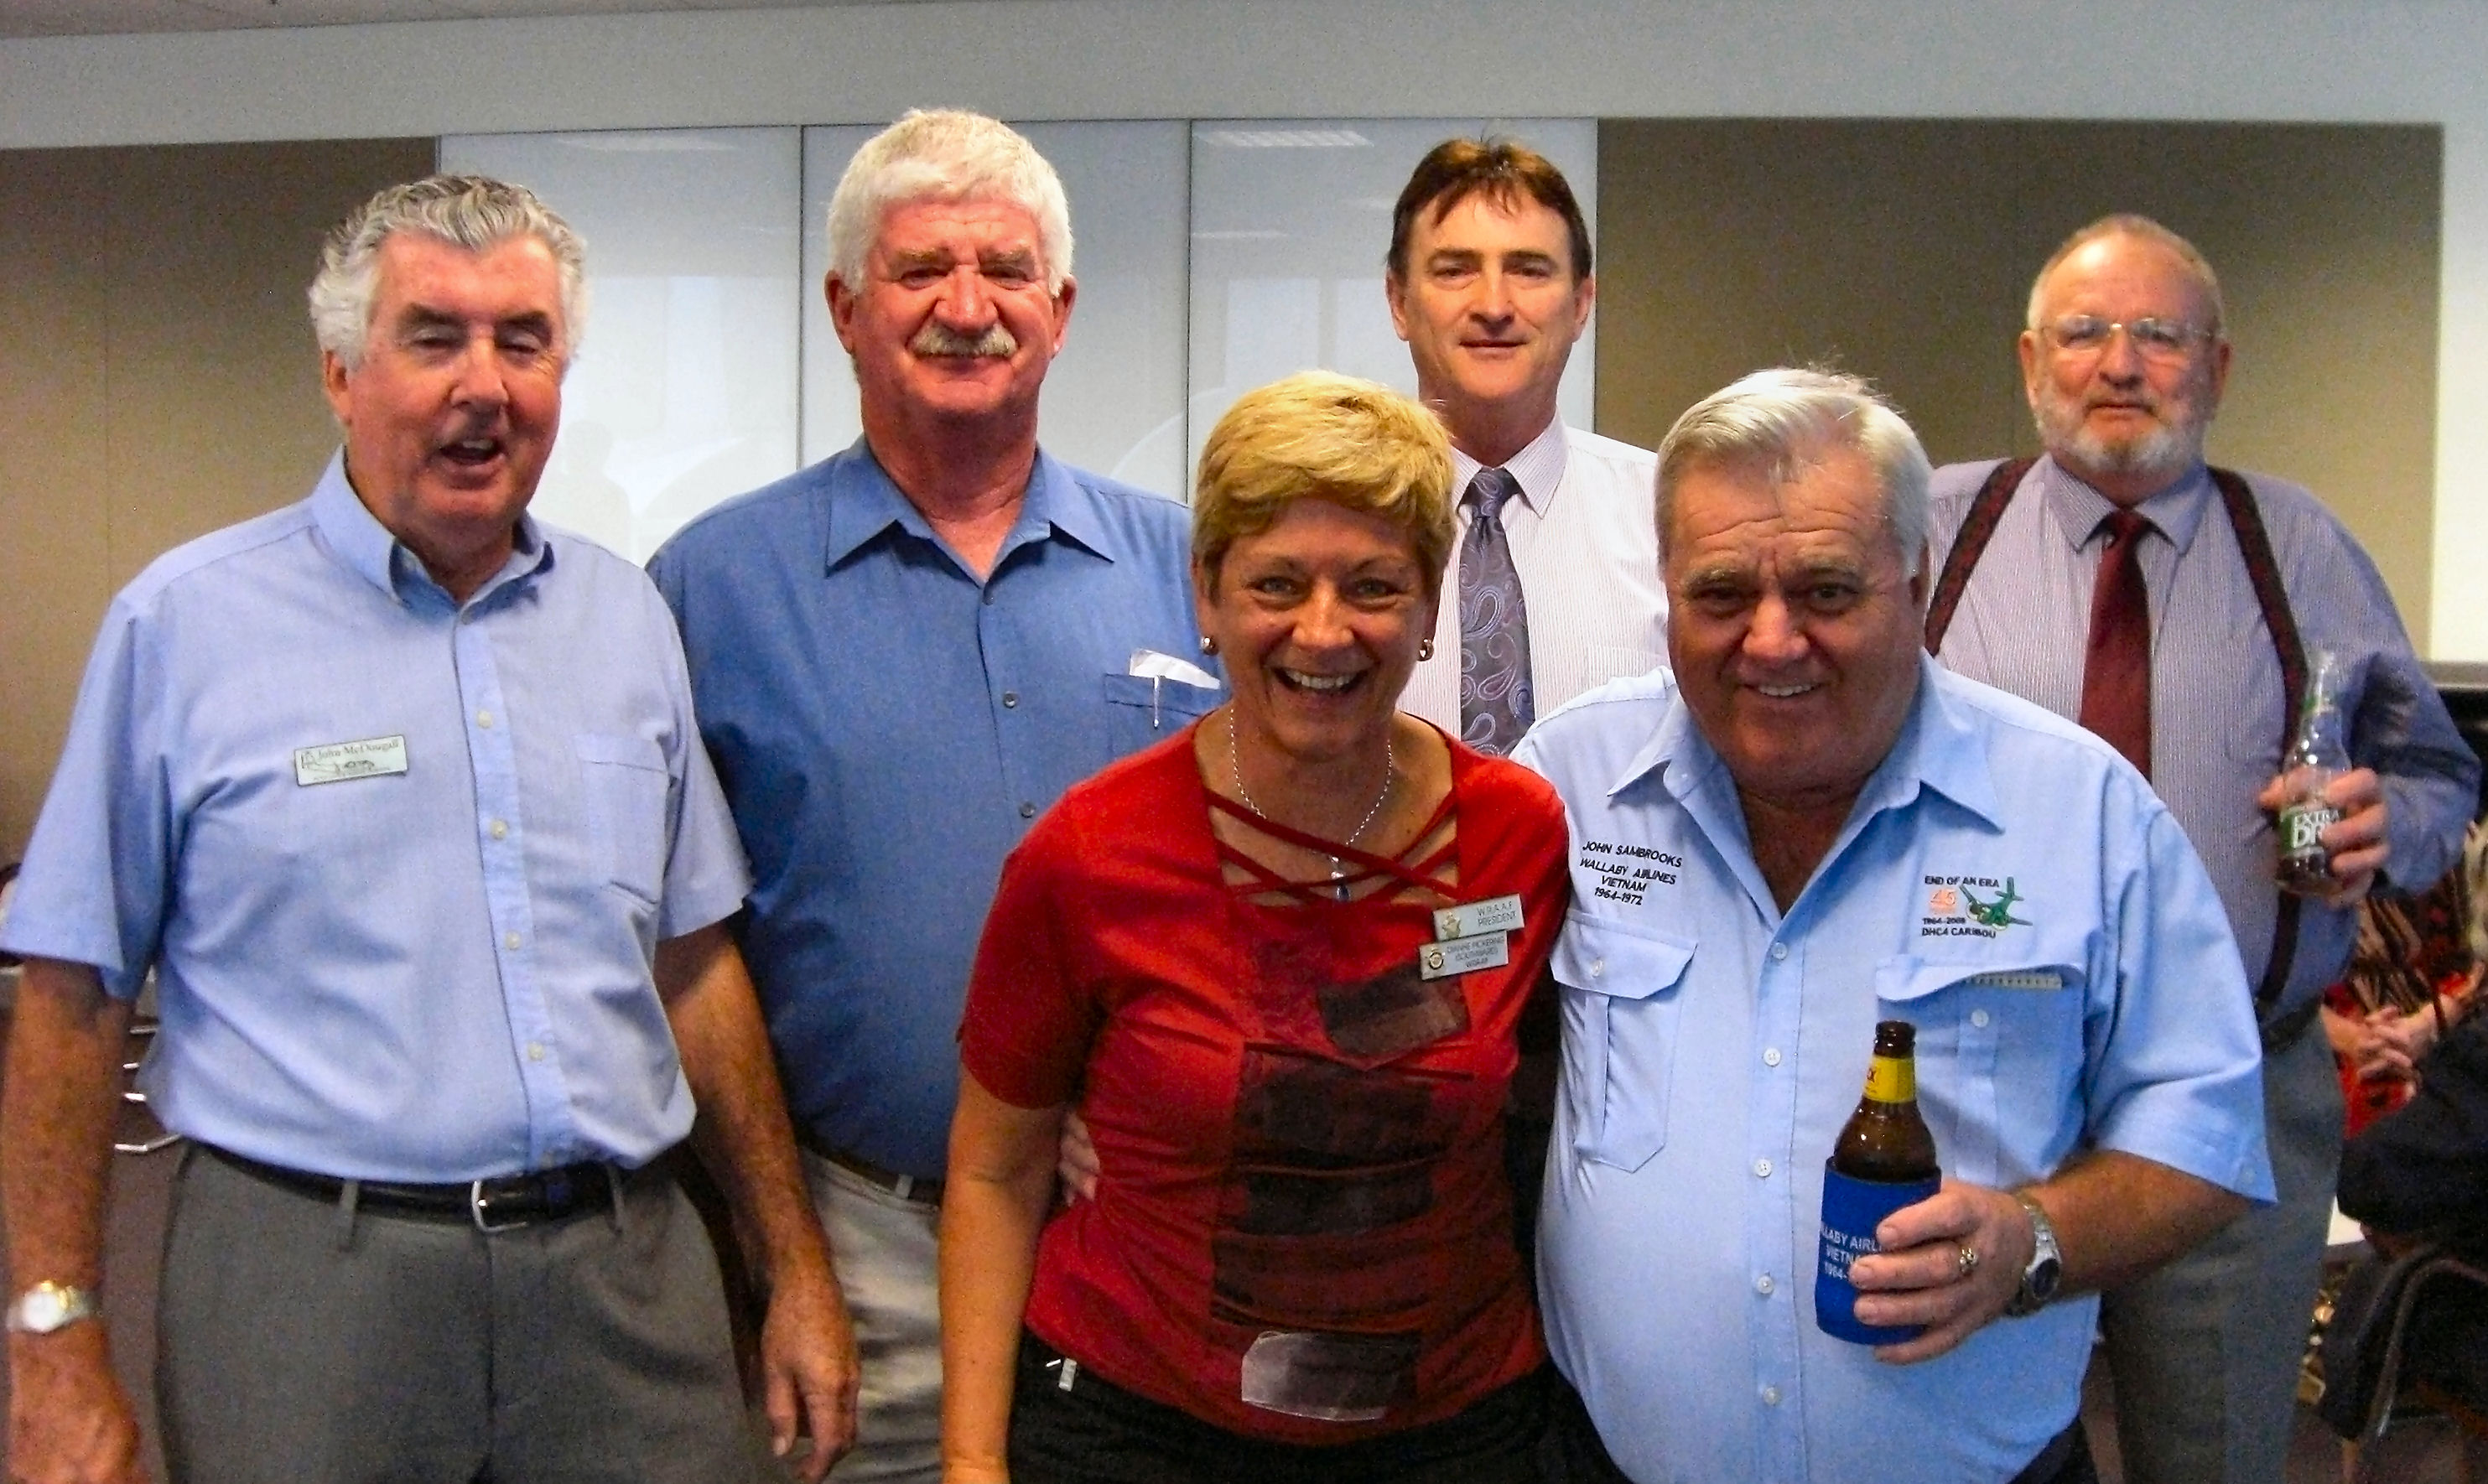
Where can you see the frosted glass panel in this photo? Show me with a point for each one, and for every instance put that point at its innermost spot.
(1291, 220)
(684, 392)
(1114, 400)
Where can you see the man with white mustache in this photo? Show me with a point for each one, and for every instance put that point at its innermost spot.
(900, 657)
(2221, 588)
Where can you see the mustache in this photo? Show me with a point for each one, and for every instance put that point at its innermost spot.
(938, 339)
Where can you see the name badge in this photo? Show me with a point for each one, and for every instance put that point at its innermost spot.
(1464, 955)
(371, 758)
(2018, 979)
(1494, 914)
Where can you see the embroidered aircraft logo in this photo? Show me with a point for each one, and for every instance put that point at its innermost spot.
(1997, 913)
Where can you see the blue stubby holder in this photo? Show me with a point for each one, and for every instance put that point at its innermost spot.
(1851, 1209)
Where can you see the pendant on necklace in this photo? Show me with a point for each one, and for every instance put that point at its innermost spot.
(1338, 878)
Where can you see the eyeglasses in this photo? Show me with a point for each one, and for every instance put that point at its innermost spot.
(2168, 342)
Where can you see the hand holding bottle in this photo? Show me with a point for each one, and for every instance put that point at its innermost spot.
(2328, 816)
(2354, 844)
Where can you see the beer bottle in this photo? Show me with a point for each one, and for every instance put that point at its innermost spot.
(2316, 756)
(1883, 1160)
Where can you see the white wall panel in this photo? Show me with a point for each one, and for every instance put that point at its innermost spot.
(684, 392)
(1290, 221)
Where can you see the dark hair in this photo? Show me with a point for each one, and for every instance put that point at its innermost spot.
(1505, 171)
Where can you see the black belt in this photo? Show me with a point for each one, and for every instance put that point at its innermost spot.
(498, 1204)
(2065, 1460)
(913, 1188)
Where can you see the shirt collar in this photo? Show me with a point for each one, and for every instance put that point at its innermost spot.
(1937, 748)
(1537, 468)
(367, 549)
(2080, 509)
(865, 501)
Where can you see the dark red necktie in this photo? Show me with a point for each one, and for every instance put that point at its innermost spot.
(2116, 664)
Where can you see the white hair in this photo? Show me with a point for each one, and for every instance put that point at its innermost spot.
(469, 212)
(945, 154)
(1784, 420)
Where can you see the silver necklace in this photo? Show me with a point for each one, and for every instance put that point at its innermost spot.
(1337, 867)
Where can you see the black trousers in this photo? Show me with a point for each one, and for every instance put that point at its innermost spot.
(1097, 1433)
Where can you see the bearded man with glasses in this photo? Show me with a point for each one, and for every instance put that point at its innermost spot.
(2172, 607)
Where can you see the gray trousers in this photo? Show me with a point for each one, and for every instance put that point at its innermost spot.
(296, 1345)
(2205, 1352)
(885, 1251)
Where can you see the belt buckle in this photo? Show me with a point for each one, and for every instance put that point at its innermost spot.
(475, 1207)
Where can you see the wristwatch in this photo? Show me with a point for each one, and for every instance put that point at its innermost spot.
(49, 1306)
(2047, 1263)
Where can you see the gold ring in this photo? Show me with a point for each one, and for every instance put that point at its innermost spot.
(1965, 1262)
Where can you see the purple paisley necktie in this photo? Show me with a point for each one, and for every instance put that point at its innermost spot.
(1496, 703)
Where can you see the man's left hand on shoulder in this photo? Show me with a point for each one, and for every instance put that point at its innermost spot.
(1922, 1278)
(2356, 841)
(810, 1374)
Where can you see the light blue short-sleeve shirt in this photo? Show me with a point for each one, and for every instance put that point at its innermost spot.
(2006, 883)
(401, 864)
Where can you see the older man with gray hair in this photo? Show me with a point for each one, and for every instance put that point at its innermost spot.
(902, 655)
(2175, 607)
(1809, 829)
(399, 795)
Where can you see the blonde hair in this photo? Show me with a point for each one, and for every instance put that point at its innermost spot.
(1318, 435)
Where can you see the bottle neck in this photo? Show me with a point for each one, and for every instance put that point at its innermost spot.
(1892, 1080)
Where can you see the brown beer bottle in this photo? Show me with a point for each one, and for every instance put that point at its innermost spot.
(1885, 1140)
(1883, 1160)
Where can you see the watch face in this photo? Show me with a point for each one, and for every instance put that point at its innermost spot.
(2042, 1278)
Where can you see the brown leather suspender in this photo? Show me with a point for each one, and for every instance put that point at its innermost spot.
(2263, 572)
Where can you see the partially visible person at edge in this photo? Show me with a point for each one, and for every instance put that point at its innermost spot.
(399, 795)
(902, 655)
(2233, 577)
(1232, 953)
(1804, 827)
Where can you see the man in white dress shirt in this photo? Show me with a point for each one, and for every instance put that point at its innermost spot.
(1555, 575)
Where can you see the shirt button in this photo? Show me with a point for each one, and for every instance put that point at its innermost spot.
(1027, 810)
(1764, 1284)
(1597, 967)
(1770, 1396)
(484, 718)
(989, 598)
(1770, 1056)
(536, 1050)
(1010, 698)
(1978, 1018)
(500, 830)
(1762, 1170)
(1779, 951)
(509, 940)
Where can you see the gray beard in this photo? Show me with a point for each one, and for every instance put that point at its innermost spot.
(2164, 455)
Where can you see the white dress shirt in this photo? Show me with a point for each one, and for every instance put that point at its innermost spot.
(1585, 542)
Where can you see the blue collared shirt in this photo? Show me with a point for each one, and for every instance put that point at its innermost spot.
(887, 726)
(2006, 883)
(427, 958)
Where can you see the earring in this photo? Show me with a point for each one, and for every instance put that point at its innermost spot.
(1424, 650)
(1208, 645)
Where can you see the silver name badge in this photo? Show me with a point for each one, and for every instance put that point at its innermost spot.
(1464, 955)
(1494, 914)
(371, 758)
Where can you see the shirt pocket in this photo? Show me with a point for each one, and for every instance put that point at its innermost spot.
(1145, 708)
(623, 784)
(1999, 1058)
(1620, 1033)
